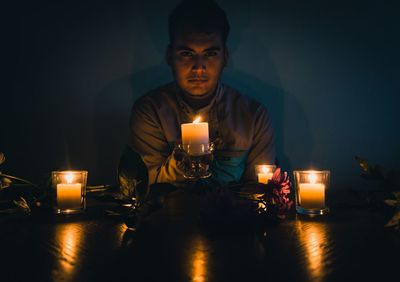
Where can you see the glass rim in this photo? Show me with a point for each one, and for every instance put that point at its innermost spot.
(312, 171)
(68, 171)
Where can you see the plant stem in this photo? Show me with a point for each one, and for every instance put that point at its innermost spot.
(19, 179)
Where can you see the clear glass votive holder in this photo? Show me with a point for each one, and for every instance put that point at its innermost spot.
(69, 191)
(196, 160)
(264, 172)
(311, 187)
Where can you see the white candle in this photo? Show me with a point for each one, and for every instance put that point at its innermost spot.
(195, 136)
(69, 194)
(312, 194)
(265, 175)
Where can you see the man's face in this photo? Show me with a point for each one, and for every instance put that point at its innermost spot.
(197, 60)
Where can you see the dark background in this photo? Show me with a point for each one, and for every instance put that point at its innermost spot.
(326, 70)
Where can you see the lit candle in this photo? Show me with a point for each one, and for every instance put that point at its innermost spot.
(195, 136)
(312, 194)
(265, 175)
(69, 194)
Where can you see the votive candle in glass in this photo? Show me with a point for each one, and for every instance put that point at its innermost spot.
(264, 172)
(69, 189)
(311, 187)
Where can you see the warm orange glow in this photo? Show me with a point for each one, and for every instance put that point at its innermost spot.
(265, 169)
(264, 173)
(67, 242)
(69, 177)
(199, 261)
(197, 119)
(313, 237)
(312, 177)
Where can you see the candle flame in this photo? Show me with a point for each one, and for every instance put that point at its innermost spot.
(197, 119)
(69, 177)
(265, 169)
(312, 177)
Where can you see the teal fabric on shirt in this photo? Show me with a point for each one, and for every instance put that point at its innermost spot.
(228, 169)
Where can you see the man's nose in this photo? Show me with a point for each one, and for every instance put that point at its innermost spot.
(199, 63)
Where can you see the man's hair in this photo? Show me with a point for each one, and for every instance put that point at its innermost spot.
(201, 16)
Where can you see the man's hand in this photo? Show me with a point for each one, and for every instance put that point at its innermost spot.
(193, 166)
(182, 158)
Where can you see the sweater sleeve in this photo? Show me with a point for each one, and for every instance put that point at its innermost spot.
(262, 150)
(148, 139)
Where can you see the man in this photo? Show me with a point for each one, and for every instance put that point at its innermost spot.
(197, 54)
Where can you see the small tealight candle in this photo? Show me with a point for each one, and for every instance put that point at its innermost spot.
(195, 136)
(264, 173)
(311, 191)
(70, 190)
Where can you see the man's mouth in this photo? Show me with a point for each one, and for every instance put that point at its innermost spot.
(197, 80)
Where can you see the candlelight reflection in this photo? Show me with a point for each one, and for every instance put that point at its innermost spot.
(199, 261)
(67, 241)
(314, 240)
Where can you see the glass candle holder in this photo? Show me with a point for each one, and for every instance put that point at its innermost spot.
(311, 187)
(196, 159)
(264, 173)
(69, 191)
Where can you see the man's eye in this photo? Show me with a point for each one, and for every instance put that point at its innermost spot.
(211, 54)
(186, 54)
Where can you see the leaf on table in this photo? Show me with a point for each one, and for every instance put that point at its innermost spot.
(112, 213)
(391, 203)
(5, 182)
(22, 204)
(394, 221)
(252, 190)
(2, 158)
(21, 210)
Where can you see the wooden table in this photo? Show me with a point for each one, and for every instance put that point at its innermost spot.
(347, 245)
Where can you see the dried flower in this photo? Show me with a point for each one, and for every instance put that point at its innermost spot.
(276, 195)
(236, 202)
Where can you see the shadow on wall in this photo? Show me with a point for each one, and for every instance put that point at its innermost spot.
(281, 105)
(113, 104)
(112, 110)
(277, 102)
